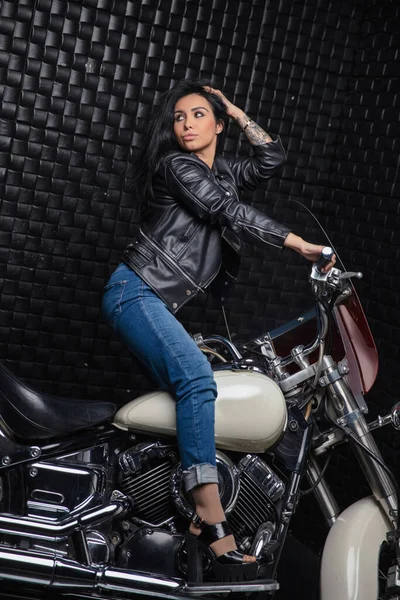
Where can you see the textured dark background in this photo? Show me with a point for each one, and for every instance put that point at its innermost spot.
(77, 83)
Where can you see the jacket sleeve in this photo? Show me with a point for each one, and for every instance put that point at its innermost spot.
(190, 182)
(251, 172)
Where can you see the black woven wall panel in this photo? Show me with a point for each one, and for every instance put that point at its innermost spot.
(78, 80)
(365, 190)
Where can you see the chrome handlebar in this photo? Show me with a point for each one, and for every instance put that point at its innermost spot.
(325, 287)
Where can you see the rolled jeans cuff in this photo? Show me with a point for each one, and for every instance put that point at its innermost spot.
(199, 474)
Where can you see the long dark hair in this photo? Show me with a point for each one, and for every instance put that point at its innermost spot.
(160, 138)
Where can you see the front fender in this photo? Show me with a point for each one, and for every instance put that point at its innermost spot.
(349, 569)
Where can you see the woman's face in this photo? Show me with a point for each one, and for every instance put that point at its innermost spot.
(195, 127)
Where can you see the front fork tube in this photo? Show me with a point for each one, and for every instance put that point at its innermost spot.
(322, 492)
(350, 417)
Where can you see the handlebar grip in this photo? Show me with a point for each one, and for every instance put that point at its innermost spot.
(325, 258)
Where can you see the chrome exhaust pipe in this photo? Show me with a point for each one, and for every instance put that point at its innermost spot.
(61, 574)
(55, 532)
(68, 576)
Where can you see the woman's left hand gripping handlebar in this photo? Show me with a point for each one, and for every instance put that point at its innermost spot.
(309, 251)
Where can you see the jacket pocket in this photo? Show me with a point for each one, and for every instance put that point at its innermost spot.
(185, 239)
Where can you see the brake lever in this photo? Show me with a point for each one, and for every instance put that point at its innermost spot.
(350, 274)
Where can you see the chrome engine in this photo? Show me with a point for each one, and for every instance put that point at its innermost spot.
(127, 513)
(145, 474)
(260, 489)
(65, 507)
(151, 475)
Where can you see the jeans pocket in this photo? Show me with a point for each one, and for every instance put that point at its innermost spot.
(111, 303)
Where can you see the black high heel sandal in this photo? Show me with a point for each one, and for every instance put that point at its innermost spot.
(228, 567)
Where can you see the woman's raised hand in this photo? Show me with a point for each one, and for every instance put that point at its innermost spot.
(232, 110)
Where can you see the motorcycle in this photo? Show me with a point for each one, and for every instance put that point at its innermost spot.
(92, 502)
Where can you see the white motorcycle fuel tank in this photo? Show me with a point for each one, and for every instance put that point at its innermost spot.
(250, 412)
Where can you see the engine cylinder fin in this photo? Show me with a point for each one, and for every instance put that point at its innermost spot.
(143, 505)
(158, 514)
(254, 516)
(254, 487)
(151, 492)
(148, 491)
(151, 475)
(142, 481)
(260, 502)
(152, 485)
(248, 507)
(253, 507)
(249, 518)
(159, 482)
(246, 515)
(246, 504)
(155, 518)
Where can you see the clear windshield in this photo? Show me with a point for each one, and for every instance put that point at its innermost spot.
(350, 339)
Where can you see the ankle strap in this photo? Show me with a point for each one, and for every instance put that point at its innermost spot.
(212, 533)
(198, 521)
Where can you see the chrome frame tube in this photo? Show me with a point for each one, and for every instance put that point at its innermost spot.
(231, 347)
(9, 524)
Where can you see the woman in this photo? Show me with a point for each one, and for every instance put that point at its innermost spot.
(190, 233)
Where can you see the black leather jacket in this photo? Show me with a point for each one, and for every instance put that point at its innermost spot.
(195, 221)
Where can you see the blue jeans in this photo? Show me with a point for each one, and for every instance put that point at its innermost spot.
(152, 333)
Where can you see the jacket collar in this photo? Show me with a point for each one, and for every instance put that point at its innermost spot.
(220, 167)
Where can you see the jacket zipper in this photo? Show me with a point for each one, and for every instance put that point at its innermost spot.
(174, 266)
